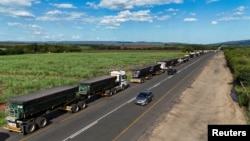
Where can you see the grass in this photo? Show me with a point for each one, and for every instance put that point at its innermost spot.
(22, 74)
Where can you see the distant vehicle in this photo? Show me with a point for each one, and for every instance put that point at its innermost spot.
(172, 71)
(144, 97)
(139, 75)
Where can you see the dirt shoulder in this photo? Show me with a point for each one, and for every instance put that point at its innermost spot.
(207, 101)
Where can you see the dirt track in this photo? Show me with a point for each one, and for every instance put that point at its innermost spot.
(207, 101)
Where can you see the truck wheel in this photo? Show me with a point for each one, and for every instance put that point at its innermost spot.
(115, 91)
(110, 93)
(30, 128)
(81, 104)
(41, 122)
(74, 108)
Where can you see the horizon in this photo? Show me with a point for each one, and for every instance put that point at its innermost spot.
(165, 21)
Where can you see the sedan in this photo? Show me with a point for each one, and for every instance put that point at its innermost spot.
(144, 97)
(172, 71)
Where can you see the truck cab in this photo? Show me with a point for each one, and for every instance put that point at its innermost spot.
(121, 78)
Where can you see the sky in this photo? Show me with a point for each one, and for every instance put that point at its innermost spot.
(183, 21)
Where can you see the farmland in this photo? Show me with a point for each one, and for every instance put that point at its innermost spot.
(22, 74)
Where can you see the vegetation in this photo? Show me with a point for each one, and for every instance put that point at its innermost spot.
(238, 60)
(31, 48)
(26, 68)
(21, 74)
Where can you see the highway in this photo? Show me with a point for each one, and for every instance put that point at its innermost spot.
(117, 118)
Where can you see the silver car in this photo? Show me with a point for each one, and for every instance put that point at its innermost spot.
(144, 97)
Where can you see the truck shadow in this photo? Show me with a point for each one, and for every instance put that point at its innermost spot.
(4, 136)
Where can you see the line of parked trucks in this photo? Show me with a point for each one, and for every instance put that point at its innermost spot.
(26, 113)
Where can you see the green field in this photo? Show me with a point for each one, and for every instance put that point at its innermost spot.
(22, 74)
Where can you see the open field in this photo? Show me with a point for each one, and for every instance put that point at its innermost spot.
(21, 74)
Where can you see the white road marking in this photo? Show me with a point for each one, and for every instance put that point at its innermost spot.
(96, 121)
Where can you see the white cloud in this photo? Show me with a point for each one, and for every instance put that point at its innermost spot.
(172, 10)
(14, 3)
(130, 4)
(29, 26)
(214, 22)
(124, 16)
(64, 5)
(76, 37)
(210, 1)
(190, 20)
(92, 5)
(240, 10)
(22, 13)
(229, 18)
(54, 12)
(163, 18)
(192, 14)
(57, 15)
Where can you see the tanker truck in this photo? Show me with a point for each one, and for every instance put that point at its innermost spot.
(28, 112)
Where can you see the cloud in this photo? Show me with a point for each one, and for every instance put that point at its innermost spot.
(64, 5)
(57, 15)
(130, 4)
(22, 13)
(214, 22)
(30, 26)
(240, 10)
(210, 1)
(124, 16)
(237, 14)
(92, 5)
(163, 18)
(190, 20)
(172, 10)
(16, 13)
(14, 3)
(54, 12)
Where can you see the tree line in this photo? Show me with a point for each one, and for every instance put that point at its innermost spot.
(14, 49)
(36, 48)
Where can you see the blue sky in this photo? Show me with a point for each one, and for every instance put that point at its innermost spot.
(185, 21)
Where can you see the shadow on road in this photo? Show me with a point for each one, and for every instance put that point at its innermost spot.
(4, 136)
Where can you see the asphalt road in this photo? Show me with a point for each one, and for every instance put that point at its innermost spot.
(117, 118)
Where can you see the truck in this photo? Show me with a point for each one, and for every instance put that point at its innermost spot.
(155, 69)
(26, 113)
(165, 64)
(139, 75)
(106, 85)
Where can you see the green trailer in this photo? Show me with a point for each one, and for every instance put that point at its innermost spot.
(102, 85)
(26, 112)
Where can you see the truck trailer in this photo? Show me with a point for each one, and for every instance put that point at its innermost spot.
(106, 85)
(155, 69)
(27, 112)
(139, 75)
(165, 64)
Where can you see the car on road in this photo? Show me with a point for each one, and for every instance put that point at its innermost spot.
(144, 97)
(172, 71)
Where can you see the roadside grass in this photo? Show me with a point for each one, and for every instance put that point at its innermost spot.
(2, 118)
